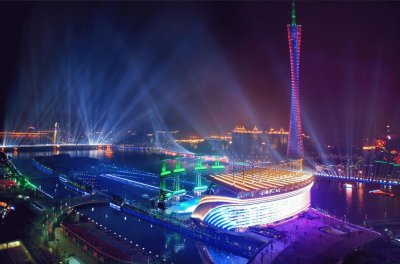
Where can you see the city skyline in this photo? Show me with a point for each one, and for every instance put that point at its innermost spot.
(347, 86)
(194, 132)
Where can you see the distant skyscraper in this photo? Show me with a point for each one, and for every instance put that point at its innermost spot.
(55, 136)
(295, 141)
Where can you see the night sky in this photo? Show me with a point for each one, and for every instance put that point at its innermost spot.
(201, 67)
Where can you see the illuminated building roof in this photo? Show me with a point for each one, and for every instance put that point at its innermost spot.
(368, 147)
(191, 140)
(271, 131)
(226, 137)
(264, 181)
(264, 196)
(243, 130)
(281, 131)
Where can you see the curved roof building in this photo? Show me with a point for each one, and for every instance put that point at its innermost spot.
(262, 196)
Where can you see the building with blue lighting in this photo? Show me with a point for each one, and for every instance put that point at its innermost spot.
(256, 196)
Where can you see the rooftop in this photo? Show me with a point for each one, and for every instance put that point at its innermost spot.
(15, 252)
(264, 181)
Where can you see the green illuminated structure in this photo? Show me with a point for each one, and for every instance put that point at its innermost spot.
(163, 183)
(390, 163)
(164, 170)
(164, 193)
(177, 181)
(164, 174)
(178, 168)
(177, 185)
(21, 180)
(30, 185)
(293, 14)
(217, 165)
(199, 185)
(199, 165)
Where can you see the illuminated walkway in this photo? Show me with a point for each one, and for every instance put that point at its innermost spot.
(304, 242)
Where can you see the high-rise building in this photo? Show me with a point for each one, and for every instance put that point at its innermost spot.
(261, 195)
(295, 148)
(55, 134)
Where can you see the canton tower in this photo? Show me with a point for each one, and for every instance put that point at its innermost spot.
(295, 141)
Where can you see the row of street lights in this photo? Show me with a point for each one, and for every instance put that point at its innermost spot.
(120, 236)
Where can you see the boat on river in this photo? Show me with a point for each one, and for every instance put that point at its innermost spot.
(380, 192)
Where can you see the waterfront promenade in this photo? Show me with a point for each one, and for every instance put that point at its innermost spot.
(101, 245)
(68, 248)
(322, 239)
(237, 243)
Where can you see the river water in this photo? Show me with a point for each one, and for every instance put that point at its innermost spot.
(355, 205)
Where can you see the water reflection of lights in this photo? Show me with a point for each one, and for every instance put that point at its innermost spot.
(349, 192)
(108, 152)
(360, 194)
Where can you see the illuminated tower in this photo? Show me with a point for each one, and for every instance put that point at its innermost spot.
(295, 140)
(55, 139)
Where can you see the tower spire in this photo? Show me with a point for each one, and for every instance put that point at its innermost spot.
(293, 13)
(295, 138)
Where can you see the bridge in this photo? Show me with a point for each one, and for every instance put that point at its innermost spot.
(81, 201)
(50, 147)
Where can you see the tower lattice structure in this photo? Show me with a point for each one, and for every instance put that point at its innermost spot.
(295, 148)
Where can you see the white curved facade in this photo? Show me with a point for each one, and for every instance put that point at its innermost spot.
(230, 213)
